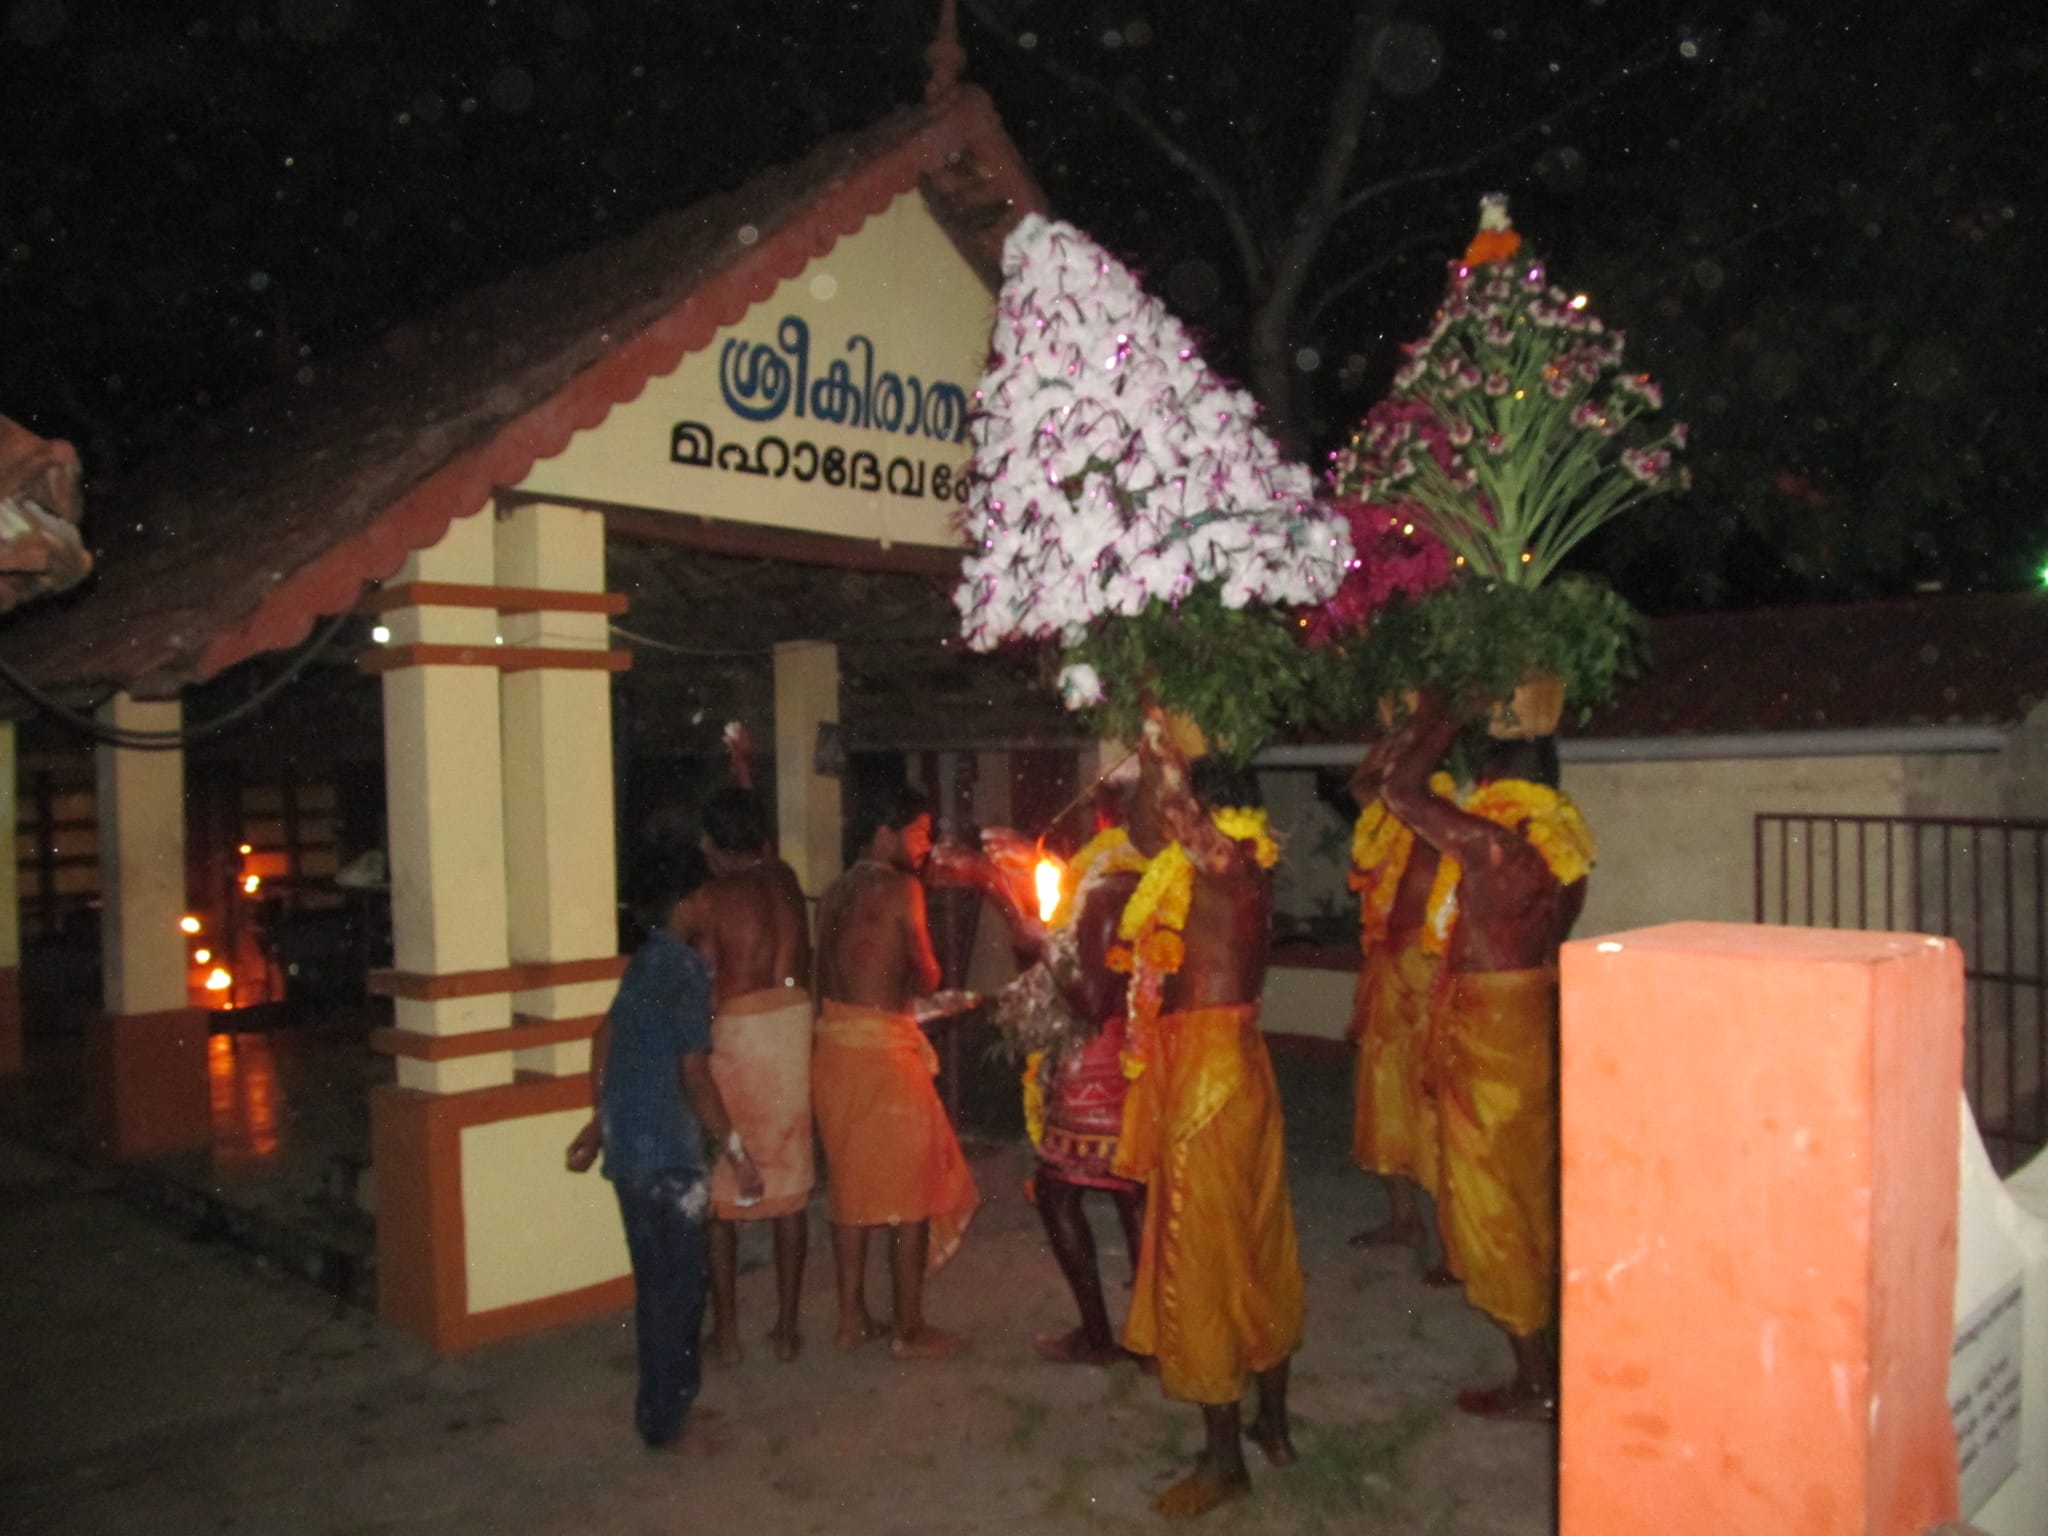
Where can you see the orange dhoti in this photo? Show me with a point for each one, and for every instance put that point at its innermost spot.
(1218, 1296)
(1495, 1066)
(761, 1061)
(889, 1147)
(1393, 1127)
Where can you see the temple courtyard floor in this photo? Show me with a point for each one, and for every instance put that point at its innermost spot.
(189, 1350)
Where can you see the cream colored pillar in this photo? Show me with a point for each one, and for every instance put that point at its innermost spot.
(562, 877)
(146, 1054)
(809, 807)
(10, 908)
(991, 789)
(142, 862)
(446, 821)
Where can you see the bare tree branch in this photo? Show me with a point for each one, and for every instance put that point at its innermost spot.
(1320, 205)
(1444, 235)
(1218, 190)
(1651, 57)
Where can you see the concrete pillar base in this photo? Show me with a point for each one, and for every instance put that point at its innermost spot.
(146, 1085)
(441, 1234)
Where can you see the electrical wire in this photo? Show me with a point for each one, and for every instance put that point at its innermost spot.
(165, 741)
(685, 650)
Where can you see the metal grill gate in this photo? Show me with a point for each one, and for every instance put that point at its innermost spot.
(1978, 881)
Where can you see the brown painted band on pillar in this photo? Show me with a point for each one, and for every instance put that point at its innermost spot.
(10, 1021)
(423, 987)
(416, 1147)
(525, 1034)
(460, 594)
(146, 1084)
(506, 658)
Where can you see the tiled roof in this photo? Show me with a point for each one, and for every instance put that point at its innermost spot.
(40, 551)
(243, 539)
(1938, 660)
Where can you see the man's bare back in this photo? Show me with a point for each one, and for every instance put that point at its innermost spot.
(1230, 919)
(874, 947)
(1512, 912)
(1230, 912)
(757, 934)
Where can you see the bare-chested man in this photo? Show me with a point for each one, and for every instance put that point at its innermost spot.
(757, 937)
(893, 1157)
(1218, 1297)
(1494, 1057)
(1394, 1109)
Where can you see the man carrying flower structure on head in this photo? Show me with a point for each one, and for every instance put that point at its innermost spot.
(1394, 1131)
(1218, 1299)
(1521, 852)
(1126, 505)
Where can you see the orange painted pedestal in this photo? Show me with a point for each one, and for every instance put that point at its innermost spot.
(422, 1226)
(146, 1084)
(1759, 1143)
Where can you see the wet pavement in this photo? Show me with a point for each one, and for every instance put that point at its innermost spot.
(176, 1366)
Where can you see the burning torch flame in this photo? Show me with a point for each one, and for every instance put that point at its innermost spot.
(1047, 878)
(218, 979)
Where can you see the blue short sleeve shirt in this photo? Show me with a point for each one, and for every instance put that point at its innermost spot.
(661, 1014)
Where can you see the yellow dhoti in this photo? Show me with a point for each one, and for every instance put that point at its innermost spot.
(889, 1147)
(1218, 1296)
(761, 1061)
(1495, 1067)
(1393, 1127)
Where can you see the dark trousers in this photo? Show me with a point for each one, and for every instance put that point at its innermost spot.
(664, 1219)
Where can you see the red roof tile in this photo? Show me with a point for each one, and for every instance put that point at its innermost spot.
(295, 500)
(1962, 660)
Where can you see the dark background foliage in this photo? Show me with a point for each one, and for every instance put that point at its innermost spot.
(1815, 221)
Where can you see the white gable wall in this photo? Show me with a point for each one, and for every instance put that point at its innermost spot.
(833, 406)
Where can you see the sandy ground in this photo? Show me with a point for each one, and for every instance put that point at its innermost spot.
(158, 1384)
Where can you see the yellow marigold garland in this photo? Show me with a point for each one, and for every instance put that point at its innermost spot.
(1151, 947)
(1546, 817)
(1380, 847)
(1034, 1097)
(1246, 824)
(1108, 852)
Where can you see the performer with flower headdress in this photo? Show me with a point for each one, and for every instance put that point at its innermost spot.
(1394, 1131)
(1218, 1299)
(1517, 853)
(1125, 504)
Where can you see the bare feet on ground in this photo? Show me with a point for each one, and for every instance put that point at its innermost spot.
(1076, 1348)
(788, 1345)
(1518, 1401)
(926, 1343)
(1199, 1492)
(703, 1434)
(1273, 1442)
(864, 1331)
(724, 1347)
(1389, 1234)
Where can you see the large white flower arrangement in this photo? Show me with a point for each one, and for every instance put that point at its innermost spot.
(1118, 481)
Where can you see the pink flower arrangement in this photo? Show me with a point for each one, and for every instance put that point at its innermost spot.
(1549, 434)
(1393, 556)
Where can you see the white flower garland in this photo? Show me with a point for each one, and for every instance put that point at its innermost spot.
(1112, 467)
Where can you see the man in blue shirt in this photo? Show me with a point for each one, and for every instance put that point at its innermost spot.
(650, 1079)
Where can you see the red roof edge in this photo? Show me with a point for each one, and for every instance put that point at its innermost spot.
(964, 123)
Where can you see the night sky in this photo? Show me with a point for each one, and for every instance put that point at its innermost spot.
(1815, 222)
